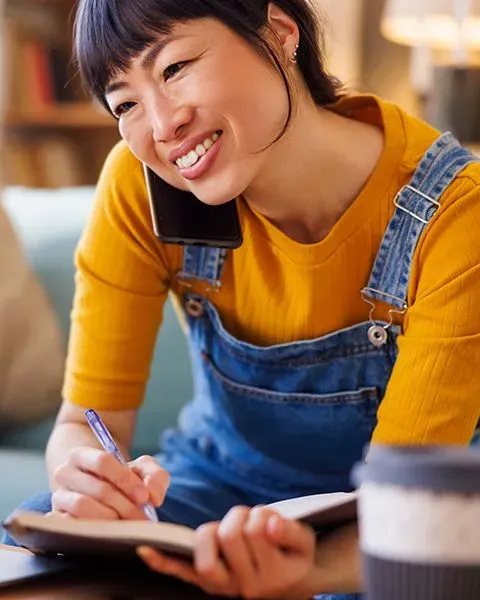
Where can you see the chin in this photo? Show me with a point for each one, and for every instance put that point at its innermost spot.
(215, 200)
(217, 193)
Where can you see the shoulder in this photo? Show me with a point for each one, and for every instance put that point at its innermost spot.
(122, 205)
(121, 194)
(419, 137)
(449, 250)
(449, 247)
(122, 170)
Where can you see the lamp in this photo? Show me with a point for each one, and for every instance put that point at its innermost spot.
(449, 29)
(439, 24)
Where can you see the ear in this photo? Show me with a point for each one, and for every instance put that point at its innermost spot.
(284, 28)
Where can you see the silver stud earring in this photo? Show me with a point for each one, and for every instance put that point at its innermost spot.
(293, 58)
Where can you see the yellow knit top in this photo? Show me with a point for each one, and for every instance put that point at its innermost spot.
(276, 290)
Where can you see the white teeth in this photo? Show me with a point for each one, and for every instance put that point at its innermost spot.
(184, 162)
(192, 157)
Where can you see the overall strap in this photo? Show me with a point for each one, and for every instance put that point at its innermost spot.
(204, 263)
(416, 203)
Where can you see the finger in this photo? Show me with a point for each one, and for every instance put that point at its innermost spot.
(154, 477)
(80, 506)
(107, 467)
(168, 566)
(234, 546)
(260, 544)
(291, 535)
(214, 575)
(86, 484)
(55, 513)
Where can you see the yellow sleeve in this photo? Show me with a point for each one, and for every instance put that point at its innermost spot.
(121, 287)
(434, 393)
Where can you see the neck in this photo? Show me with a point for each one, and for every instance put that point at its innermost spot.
(315, 172)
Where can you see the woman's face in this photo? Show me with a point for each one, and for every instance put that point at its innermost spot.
(198, 107)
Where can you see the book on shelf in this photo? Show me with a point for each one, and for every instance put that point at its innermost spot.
(36, 70)
(51, 161)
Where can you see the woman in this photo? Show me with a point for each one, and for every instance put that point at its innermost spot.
(348, 315)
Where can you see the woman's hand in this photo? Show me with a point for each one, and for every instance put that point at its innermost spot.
(92, 484)
(253, 553)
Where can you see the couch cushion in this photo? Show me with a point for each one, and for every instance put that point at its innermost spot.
(23, 474)
(49, 223)
(31, 350)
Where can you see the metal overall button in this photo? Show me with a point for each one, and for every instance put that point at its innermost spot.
(377, 335)
(194, 308)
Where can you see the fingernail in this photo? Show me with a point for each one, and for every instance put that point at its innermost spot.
(274, 524)
(140, 494)
(157, 498)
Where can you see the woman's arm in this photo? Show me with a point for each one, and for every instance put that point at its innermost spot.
(433, 393)
(338, 565)
(122, 281)
(121, 286)
(72, 431)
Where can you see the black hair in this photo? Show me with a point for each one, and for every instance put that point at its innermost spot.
(110, 33)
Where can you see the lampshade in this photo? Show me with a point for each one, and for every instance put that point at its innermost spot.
(438, 24)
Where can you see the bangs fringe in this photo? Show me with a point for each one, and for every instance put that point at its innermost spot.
(110, 33)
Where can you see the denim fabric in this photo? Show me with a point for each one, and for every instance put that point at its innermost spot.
(269, 423)
(203, 263)
(40, 503)
(444, 160)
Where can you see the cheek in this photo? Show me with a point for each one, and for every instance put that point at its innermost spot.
(138, 137)
(254, 98)
(140, 141)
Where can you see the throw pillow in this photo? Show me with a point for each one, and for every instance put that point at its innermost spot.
(31, 349)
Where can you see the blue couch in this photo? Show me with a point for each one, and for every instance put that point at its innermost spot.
(49, 223)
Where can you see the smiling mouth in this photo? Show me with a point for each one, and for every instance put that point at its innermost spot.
(192, 157)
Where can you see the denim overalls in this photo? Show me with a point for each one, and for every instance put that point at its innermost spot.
(268, 423)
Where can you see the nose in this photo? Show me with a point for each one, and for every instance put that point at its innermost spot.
(168, 119)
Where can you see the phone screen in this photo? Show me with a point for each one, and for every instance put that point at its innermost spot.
(179, 217)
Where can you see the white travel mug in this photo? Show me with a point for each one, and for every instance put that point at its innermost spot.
(419, 522)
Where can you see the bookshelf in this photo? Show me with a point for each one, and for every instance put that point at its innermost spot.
(73, 115)
(54, 135)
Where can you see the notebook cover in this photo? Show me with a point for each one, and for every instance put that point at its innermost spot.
(44, 542)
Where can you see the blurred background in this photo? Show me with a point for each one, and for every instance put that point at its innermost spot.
(422, 54)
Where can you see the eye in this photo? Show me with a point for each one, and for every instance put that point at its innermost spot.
(172, 70)
(122, 109)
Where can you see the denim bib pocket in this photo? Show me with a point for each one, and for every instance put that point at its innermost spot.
(303, 431)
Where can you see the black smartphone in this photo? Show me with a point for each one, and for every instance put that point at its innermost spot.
(179, 217)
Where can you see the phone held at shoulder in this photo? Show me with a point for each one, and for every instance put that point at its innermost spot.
(179, 217)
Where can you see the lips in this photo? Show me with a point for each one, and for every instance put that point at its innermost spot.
(197, 166)
(190, 145)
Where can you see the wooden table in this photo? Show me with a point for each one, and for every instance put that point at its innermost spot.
(102, 583)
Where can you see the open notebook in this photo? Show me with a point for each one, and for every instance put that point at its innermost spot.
(59, 535)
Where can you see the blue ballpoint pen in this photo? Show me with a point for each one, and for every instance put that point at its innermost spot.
(108, 444)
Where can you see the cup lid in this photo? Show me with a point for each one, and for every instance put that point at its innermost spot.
(436, 468)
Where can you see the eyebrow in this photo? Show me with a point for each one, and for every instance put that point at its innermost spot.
(147, 61)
